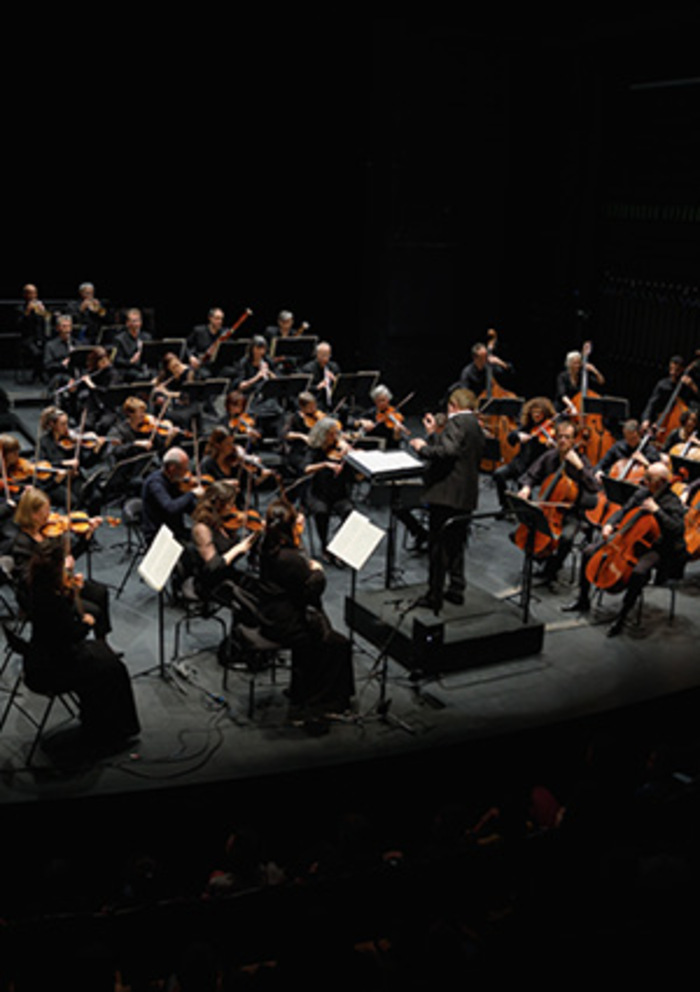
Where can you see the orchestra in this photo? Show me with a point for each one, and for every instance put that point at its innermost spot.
(555, 457)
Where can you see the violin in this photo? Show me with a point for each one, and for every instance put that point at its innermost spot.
(237, 519)
(244, 423)
(58, 524)
(392, 417)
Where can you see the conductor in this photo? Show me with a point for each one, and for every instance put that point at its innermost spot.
(452, 459)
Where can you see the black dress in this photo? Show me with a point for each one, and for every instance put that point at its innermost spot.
(60, 659)
(322, 674)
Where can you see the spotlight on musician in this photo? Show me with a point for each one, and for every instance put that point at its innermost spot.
(561, 468)
(646, 534)
(452, 459)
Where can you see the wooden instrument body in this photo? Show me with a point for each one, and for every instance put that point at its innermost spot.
(611, 565)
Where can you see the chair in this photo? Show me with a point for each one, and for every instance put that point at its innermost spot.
(17, 645)
(195, 608)
(249, 650)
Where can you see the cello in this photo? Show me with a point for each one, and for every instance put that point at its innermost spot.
(558, 493)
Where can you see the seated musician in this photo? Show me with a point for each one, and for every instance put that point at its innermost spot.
(562, 460)
(168, 497)
(215, 525)
(323, 371)
(204, 337)
(534, 435)
(99, 375)
(252, 372)
(88, 313)
(385, 422)
(283, 328)
(237, 420)
(170, 393)
(59, 446)
(224, 459)
(684, 437)
(296, 433)
(331, 477)
(633, 445)
(569, 380)
(128, 358)
(136, 431)
(663, 391)
(667, 553)
(57, 354)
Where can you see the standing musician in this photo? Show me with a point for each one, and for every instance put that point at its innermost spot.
(323, 371)
(678, 381)
(536, 433)
(214, 544)
(452, 459)
(331, 477)
(666, 552)
(474, 375)
(128, 358)
(569, 380)
(562, 461)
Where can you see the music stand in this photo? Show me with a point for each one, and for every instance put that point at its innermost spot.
(531, 517)
(285, 389)
(503, 406)
(228, 354)
(155, 570)
(618, 490)
(115, 396)
(355, 387)
(201, 390)
(612, 409)
(294, 350)
(687, 468)
(77, 358)
(153, 352)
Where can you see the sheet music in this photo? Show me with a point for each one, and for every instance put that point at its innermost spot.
(160, 559)
(375, 463)
(356, 540)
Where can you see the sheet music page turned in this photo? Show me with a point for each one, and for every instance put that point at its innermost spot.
(160, 559)
(356, 540)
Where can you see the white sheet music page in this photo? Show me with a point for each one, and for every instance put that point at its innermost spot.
(356, 540)
(160, 559)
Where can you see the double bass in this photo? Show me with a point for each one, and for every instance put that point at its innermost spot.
(670, 417)
(596, 438)
(496, 427)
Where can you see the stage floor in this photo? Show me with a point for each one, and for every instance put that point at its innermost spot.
(195, 733)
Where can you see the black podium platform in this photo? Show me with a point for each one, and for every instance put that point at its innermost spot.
(483, 631)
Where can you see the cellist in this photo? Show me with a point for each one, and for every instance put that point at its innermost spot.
(565, 462)
(665, 551)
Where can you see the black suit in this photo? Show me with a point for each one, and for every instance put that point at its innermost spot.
(452, 480)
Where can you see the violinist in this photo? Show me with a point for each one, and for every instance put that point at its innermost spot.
(214, 545)
(63, 658)
(570, 379)
(237, 420)
(224, 459)
(385, 422)
(677, 382)
(535, 434)
(323, 371)
(633, 445)
(557, 463)
(58, 446)
(163, 499)
(666, 553)
(296, 433)
(32, 517)
(136, 432)
(331, 477)
(171, 384)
